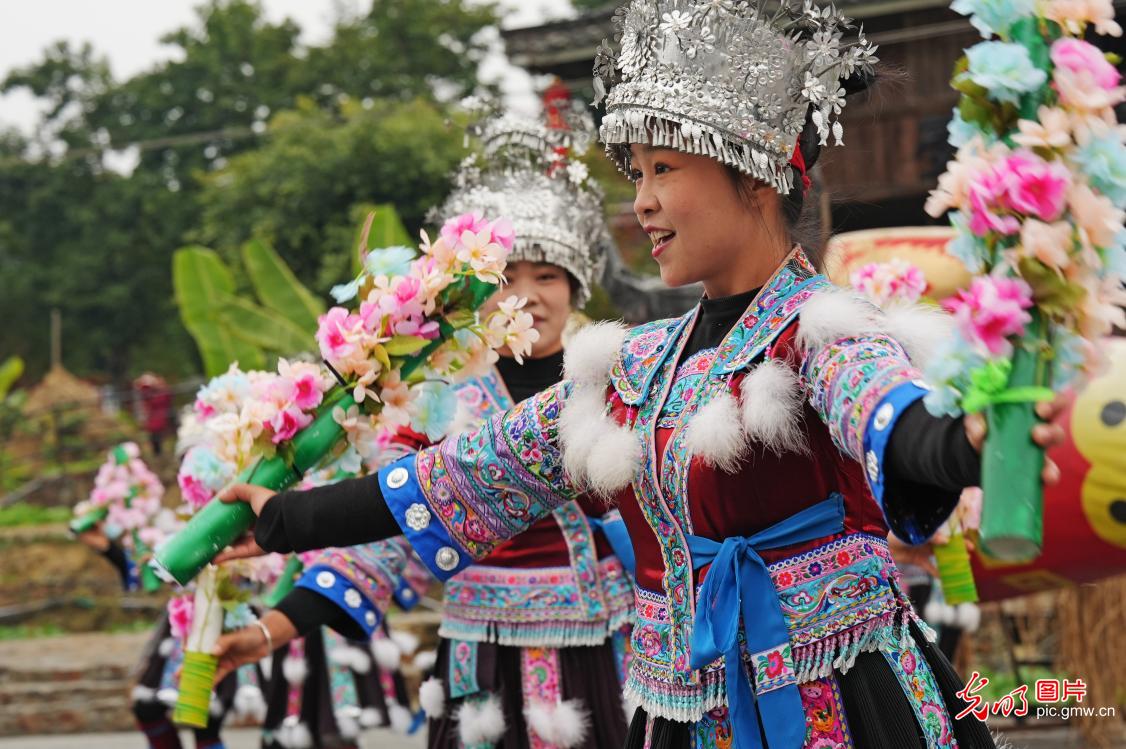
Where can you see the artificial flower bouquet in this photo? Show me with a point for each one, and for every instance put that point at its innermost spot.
(387, 363)
(1036, 194)
(126, 499)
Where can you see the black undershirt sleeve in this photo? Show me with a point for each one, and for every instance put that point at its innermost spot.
(116, 556)
(932, 450)
(346, 513)
(309, 610)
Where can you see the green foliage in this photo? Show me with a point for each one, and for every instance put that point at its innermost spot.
(277, 287)
(203, 285)
(22, 513)
(10, 370)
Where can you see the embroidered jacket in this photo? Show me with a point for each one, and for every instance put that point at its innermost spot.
(791, 412)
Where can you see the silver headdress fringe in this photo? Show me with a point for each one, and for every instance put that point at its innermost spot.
(730, 79)
(527, 172)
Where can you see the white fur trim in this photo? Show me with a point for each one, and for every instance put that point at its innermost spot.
(581, 414)
(361, 661)
(967, 616)
(294, 734)
(407, 642)
(563, 724)
(267, 666)
(347, 720)
(352, 658)
(432, 697)
(294, 670)
(370, 718)
(715, 434)
(167, 645)
(250, 703)
(771, 396)
(613, 461)
(936, 612)
(215, 707)
(833, 314)
(143, 694)
(387, 654)
(920, 328)
(168, 696)
(401, 717)
(425, 660)
(591, 351)
(480, 722)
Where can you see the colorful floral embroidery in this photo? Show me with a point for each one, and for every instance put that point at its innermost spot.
(463, 668)
(713, 730)
(826, 727)
(921, 689)
(341, 680)
(539, 676)
(537, 606)
(584, 558)
(773, 669)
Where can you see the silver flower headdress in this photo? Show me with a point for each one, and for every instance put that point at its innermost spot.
(525, 170)
(730, 79)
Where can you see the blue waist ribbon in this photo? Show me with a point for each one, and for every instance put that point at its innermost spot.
(614, 528)
(738, 583)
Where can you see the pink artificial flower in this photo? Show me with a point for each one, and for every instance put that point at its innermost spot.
(1021, 183)
(991, 310)
(503, 233)
(180, 613)
(307, 392)
(1085, 59)
(895, 280)
(194, 492)
(287, 422)
(333, 333)
(458, 225)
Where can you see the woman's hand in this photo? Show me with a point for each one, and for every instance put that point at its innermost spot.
(1046, 435)
(250, 644)
(245, 547)
(95, 538)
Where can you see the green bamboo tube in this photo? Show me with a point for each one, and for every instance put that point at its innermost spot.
(955, 572)
(88, 521)
(285, 583)
(197, 676)
(219, 524)
(1012, 514)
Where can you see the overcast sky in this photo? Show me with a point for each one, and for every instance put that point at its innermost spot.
(127, 31)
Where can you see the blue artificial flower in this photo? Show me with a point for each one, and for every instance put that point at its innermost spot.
(344, 291)
(1103, 159)
(1114, 257)
(238, 617)
(966, 246)
(1069, 356)
(434, 409)
(1004, 70)
(208, 468)
(948, 375)
(992, 17)
(959, 132)
(234, 382)
(389, 261)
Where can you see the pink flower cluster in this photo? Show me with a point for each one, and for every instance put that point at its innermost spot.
(1019, 185)
(1083, 77)
(895, 280)
(129, 491)
(990, 311)
(181, 611)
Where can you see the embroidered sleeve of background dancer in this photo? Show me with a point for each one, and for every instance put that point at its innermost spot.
(457, 500)
(361, 580)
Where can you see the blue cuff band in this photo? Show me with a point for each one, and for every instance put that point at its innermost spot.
(339, 589)
(426, 534)
(877, 436)
(405, 595)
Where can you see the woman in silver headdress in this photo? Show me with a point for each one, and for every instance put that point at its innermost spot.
(534, 636)
(759, 447)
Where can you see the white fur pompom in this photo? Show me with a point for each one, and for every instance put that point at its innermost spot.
(425, 660)
(920, 328)
(143, 694)
(715, 434)
(370, 718)
(348, 723)
(432, 697)
(295, 670)
(401, 718)
(168, 696)
(361, 661)
(215, 707)
(937, 613)
(833, 314)
(590, 353)
(480, 722)
(294, 734)
(582, 412)
(387, 654)
(563, 724)
(267, 666)
(614, 460)
(249, 703)
(407, 642)
(167, 645)
(967, 616)
(771, 397)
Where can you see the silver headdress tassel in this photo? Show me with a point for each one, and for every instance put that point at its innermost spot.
(729, 79)
(527, 171)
